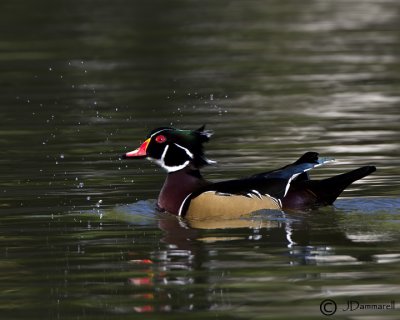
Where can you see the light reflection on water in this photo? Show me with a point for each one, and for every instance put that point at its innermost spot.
(82, 83)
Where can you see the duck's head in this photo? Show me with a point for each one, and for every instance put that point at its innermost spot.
(174, 149)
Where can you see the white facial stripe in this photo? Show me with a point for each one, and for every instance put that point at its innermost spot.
(157, 132)
(162, 164)
(160, 161)
(191, 156)
(207, 133)
(177, 168)
(164, 153)
(171, 168)
(209, 161)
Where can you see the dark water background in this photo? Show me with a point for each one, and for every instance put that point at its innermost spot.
(83, 81)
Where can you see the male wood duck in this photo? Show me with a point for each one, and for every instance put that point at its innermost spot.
(187, 194)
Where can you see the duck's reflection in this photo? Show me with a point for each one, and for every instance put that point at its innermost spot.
(184, 271)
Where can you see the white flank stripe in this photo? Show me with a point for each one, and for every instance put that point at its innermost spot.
(182, 204)
(290, 180)
(257, 193)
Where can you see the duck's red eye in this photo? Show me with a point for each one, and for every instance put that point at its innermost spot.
(160, 139)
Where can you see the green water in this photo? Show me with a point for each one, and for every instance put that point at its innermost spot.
(84, 81)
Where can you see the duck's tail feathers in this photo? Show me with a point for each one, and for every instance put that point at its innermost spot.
(328, 190)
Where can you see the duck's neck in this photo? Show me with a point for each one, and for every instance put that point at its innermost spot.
(177, 186)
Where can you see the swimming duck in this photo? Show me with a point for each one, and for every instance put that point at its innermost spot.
(187, 194)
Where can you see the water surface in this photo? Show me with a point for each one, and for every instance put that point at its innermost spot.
(82, 82)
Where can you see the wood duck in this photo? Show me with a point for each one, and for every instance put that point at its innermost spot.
(187, 194)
